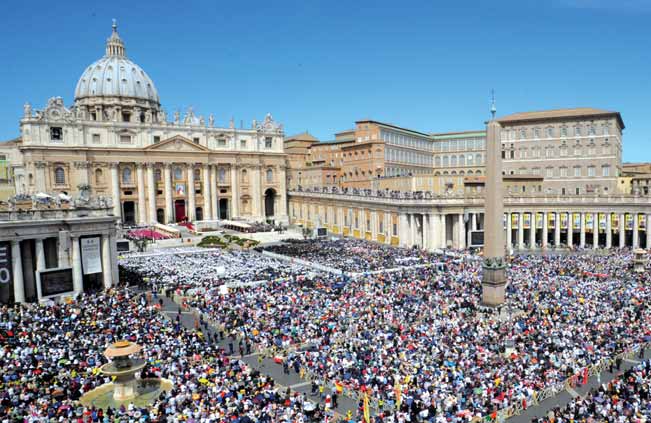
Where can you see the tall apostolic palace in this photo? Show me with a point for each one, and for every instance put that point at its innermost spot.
(117, 139)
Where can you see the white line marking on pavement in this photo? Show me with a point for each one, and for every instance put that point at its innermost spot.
(298, 385)
(630, 360)
(572, 392)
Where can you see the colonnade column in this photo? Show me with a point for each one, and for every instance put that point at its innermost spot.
(557, 230)
(582, 233)
(115, 190)
(462, 232)
(636, 232)
(17, 270)
(648, 229)
(151, 188)
(235, 193)
(107, 266)
(40, 265)
(622, 231)
(192, 207)
(374, 224)
(609, 230)
(214, 193)
(142, 207)
(570, 229)
(532, 231)
(545, 228)
(509, 235)
(77, 277)
(404, 230)
(169, 200)
(520, 231)
(595, 231)
(206, 192)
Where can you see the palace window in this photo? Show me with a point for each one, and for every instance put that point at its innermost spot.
(221, 174)
(243, 144)
(157, 175)
(96, 139)
(268, 142)
(56, 133)
(125, 139)
(577, 170)
(605, 170)
(221, 142)
(550, 132)
(156, 139)
(197, 174)
(126, 117)
(270, 175)
(178, 173)
(195, 140)
(99, 177)
(591, 171)
(563, 172)
(60, 176)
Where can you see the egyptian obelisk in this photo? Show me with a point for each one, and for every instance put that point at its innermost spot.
(494, 266)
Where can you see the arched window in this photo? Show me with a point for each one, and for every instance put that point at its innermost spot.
(478, 159)
(222, 175)
(437, 161)
(453, 161)
(99, 176)
(446, 161)
(245, 177)
(270, 175)
(462, 160)
(126, 175)
(60, 176)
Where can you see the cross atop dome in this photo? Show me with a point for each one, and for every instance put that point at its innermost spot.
(114, 44)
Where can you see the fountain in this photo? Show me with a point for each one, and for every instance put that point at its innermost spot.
(125, 388)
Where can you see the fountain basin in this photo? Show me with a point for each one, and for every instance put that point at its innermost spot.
(145, 392)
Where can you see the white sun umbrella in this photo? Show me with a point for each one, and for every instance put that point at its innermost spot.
(42, 196)
(64, 197)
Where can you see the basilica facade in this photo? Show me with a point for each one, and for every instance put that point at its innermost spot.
(117, 141)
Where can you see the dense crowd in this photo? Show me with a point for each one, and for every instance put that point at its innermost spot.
(627, 398)
(415, 340)
(351, 255)
(51, 354)
(417, 334)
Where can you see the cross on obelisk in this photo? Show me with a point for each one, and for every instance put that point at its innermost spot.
(494, 266)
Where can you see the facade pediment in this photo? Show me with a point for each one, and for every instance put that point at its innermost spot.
(178, 144)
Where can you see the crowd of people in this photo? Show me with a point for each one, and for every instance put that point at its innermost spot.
(351, 255)
(627, 398)
(416, 340)
(51, 355)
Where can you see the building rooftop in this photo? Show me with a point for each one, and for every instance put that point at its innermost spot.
(560, 114)
(461, 134)
(388, 125)
(303, 136)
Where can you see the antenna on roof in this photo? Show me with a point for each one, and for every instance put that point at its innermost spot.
(493, 108)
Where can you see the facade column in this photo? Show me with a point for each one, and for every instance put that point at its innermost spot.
(206, 192)
(40, 184)
(647, 229)
(257, 196)
(557, 231)
(462, 232)
(473, 221)
(282, 195)
(214, 193)
(40, 265)
(609, 230)
(77, 276)
(142, 207)
(115, 190)
(570, 229)
(191, 213)
(388, 228)
(520, 231)
(622, 231)
(17, 270)
(582, 234)
(151, 188)
(545, 228)
(636, 232)
(444, 231)
(106, 261)
(235, 192)
(169, 204)
(434, 229)
(532, 231)
(509, 235)
(595, 231)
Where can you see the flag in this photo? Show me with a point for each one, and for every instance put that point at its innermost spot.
(367, 409)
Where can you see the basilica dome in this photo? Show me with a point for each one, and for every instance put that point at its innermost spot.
(114, 75)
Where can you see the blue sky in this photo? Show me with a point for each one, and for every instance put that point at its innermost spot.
(321, 65)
